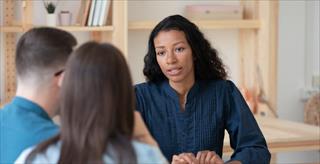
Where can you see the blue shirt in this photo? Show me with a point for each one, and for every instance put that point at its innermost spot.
(211, 107)
(145, 154)
(22, 124)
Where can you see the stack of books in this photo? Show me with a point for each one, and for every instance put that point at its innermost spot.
(94, 13)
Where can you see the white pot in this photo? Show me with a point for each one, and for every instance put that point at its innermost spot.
(51, 19)
(65, 18)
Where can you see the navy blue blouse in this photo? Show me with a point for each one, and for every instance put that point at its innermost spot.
(211, 107)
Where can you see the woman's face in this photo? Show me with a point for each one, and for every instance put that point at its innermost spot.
(174, 56)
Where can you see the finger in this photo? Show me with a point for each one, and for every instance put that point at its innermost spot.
(188, 157)
(198, 155)
(215, 159)
(177, 160)
(191, 155)
(202, 156)
(210, 157)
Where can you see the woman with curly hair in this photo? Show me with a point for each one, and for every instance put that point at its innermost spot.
(187, 102)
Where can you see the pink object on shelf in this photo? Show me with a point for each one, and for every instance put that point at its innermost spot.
(209, 12)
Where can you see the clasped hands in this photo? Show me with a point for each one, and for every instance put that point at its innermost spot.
(203, 157)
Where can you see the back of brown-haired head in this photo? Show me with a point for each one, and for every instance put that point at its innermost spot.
(42, 51)
(97, 107)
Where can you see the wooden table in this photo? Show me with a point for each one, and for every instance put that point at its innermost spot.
(284, 136)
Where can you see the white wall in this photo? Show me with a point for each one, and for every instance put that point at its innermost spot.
(292, 56)
(312, 68)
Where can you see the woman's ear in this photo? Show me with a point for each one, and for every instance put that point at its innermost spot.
(60, 79)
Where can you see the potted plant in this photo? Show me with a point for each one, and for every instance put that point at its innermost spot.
(51, 15)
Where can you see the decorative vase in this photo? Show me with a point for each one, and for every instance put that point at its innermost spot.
(51, 19)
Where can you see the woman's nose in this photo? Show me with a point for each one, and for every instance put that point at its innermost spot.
(171, 58)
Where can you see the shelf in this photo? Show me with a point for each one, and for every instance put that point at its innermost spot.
(66, 28)
(148, 25)
(11, 29)
(216, 24)
(85, 28)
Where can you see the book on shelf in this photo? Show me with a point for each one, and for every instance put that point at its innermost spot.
(108, 18)
(97, 12)
(106, 5)
(94, 13)
(83, 12)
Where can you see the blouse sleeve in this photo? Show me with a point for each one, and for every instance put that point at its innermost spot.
(246, 139)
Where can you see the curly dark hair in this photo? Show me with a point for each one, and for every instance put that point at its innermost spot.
(207, 64)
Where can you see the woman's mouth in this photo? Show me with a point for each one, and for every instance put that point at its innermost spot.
(174, 71)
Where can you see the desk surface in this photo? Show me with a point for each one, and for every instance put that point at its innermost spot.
(285, 136)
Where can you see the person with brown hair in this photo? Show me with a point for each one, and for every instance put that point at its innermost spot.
(41, 55)
(97, 114)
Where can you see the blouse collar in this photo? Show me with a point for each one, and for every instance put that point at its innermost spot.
(193, 92)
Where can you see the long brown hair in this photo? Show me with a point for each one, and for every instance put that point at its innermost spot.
(97, 108)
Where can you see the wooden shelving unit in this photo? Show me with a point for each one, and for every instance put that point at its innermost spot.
(115, 33)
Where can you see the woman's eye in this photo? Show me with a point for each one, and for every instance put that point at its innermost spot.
(179, 49)
(160, 53)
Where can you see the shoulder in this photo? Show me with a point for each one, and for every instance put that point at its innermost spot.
(220, 89)
(6, 111)
(23, 156)
(46, 131)
(46, 125)
(50, 155)
(217, 85)
(147, 86)
(39, 128)
(147, 153)
(220, 83)
(27, 124)
(149, 89)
